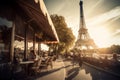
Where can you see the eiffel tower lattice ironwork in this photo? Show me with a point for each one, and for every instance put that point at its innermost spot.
(83, 36)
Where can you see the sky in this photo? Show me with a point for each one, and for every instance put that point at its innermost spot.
(102, 18)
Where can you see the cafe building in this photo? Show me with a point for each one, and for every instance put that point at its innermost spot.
(27, 21)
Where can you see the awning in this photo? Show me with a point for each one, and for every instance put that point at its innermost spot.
(40, 20)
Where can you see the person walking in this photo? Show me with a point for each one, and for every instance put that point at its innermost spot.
(74, 59)
(80, 61)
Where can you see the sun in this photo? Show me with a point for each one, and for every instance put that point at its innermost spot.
(100, 35)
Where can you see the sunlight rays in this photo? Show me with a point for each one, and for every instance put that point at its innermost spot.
(100, 35)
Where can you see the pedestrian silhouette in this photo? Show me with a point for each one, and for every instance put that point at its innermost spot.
(80, 61)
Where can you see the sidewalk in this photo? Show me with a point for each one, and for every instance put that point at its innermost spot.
(57, 73)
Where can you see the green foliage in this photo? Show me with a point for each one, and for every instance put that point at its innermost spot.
(65, 34)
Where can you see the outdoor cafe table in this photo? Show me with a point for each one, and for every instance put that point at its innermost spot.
(25, 65)
(26, 62)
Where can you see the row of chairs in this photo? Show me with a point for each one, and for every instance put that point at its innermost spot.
(39, 64)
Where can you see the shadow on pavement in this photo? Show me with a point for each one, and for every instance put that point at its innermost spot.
(41, 74)
(72, 73)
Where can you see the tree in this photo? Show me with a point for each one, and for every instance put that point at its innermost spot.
(115, 49)
(65, 34)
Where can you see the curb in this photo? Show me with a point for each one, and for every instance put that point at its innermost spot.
(112, 73)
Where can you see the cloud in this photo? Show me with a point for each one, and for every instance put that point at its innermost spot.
(106, 18)
(112, 14)
(94, 6)
(116, 33)
(60, 7)
(54, 6)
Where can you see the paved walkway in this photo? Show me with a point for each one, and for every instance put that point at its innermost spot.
(57, 73)
(64, 70)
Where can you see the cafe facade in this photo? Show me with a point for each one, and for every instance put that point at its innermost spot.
(27, 21)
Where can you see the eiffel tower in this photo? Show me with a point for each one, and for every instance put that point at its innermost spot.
(84, 40)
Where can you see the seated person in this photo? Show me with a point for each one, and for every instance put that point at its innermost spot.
(37, 61)
(44, 57)
(31, 55)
